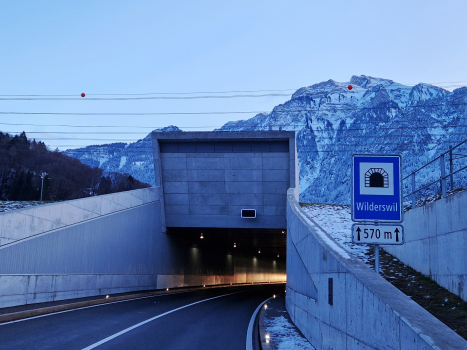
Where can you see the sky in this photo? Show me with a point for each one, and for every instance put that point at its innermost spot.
(56, 50)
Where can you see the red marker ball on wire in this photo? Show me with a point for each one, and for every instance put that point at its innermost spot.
(83, 94)
(350, 87)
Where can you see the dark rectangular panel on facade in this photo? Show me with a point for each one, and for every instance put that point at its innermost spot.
(224, 147)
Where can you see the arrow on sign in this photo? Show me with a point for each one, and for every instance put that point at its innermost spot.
(397, 234)
(358, 230)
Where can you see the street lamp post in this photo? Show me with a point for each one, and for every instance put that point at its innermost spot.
(43, 175)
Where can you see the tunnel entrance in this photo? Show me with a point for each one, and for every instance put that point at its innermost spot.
(271, 243)
(224, 197)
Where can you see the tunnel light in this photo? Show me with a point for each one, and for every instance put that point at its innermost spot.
(267, 337)
(265, 306)
(201, 237)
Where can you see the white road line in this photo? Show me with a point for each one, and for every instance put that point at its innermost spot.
(149, 320)
(88, 307)
(249, 333)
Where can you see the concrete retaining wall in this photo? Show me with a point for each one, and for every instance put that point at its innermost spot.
(339, 303)
(23, 223)
(436, 242)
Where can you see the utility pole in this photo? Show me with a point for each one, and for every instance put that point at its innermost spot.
(43, 175)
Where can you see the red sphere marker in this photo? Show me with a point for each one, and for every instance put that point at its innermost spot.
(83, 94)
(350, 87)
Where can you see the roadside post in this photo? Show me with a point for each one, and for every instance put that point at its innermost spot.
(377, 201)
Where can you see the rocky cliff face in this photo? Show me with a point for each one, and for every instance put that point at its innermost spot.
(377, 116)
(134, 158)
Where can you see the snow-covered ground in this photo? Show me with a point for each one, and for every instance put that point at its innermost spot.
(285, 336)
(12, 205)
(336, 221)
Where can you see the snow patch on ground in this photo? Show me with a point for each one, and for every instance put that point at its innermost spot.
(284, 334)
(13, 205)
(122, 162)
(336, 221)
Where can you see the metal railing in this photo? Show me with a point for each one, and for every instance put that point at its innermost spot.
(442, 178)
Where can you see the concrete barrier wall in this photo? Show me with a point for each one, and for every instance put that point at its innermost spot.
(339, 303)
(97, 251)
(93, 246)
(436, 242)
(23, 223)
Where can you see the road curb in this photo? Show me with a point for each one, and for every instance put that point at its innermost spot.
(264, 342)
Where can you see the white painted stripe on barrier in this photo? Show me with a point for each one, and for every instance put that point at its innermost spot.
(249, 333)
(149, 320)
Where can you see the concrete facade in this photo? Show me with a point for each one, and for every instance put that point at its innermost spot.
(208, 177)
(339, 303)
(436, 242)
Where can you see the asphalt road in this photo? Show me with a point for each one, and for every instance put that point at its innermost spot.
(214, 318)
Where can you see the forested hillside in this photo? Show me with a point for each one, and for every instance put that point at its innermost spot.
(22, 161)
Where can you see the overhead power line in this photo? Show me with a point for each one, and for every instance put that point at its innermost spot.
(340, 138)
(323, 130)
(135, 98)
(128, 114)
(158, 93)
(327, 108)
(406, 146)
(106, 126)
(400, 86)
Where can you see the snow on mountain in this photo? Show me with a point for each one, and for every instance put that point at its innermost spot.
(377, 116)
(134, 158)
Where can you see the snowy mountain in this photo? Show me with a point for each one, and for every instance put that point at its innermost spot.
(134, 158)
(332, 122)
(377, 116)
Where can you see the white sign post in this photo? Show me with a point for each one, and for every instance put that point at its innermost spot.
(377, 201)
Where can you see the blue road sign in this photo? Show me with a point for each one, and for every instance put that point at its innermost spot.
(376, 188)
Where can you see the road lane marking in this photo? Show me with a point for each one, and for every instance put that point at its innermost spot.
(249, 333)
(88, 307)
(149, 320)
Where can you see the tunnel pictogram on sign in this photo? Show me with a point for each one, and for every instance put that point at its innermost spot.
(376, 177)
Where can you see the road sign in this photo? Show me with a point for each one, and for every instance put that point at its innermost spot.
(377, 234)
(376, 188)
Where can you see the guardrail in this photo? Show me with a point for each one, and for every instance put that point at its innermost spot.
(443, 175)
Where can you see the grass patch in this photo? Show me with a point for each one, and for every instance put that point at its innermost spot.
(441, 303)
